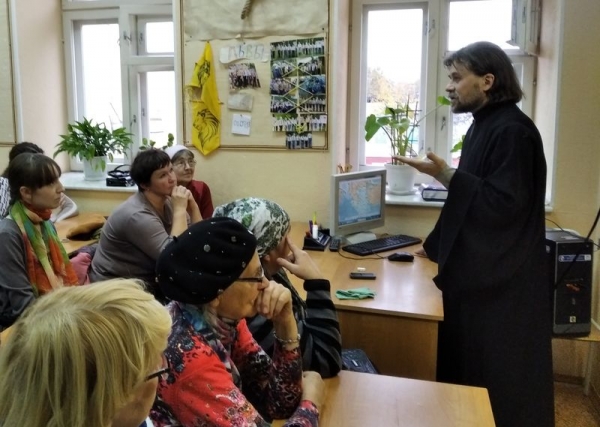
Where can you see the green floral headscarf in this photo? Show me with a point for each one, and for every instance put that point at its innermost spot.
(265, 219)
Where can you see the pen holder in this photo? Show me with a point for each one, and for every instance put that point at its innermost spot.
(318, 244)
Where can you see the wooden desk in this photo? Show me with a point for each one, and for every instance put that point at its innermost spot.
(63, 227)
(593, 340)
(356, 400)
(398, 328)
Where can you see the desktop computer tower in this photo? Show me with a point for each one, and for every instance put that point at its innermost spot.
(570, 265)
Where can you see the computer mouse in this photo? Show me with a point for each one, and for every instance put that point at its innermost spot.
(401, 256)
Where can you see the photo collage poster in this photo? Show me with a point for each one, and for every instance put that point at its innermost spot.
(298, 90)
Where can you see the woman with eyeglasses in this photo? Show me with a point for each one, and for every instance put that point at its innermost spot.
(85, 356)
(184, 166)
(220, 376)
(139, 229)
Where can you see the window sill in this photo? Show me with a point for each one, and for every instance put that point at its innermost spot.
(75, 181)
(411, 200)
(416, 200)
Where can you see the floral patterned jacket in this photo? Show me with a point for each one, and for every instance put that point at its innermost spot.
(221, 377)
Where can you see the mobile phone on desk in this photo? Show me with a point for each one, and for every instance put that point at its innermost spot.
(361, 275)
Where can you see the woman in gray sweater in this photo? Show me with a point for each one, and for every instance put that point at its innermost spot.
(138, 230)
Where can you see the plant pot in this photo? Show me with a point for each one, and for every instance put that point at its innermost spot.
(400, 179)
(92, 169)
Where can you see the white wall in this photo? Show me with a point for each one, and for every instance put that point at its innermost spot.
(577, 195)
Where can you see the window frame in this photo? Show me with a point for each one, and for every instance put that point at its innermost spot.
(435, 132)
(129, 15)
(359, 69)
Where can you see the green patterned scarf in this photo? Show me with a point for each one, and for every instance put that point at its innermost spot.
(48, 264)
(265, 219)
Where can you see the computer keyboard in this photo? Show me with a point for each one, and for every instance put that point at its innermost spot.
(382, 244)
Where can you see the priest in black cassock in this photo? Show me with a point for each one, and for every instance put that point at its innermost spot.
(489, 243)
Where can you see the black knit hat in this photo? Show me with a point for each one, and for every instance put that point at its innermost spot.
(204, 260)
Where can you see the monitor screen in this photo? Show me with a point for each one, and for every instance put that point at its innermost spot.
(358, 202)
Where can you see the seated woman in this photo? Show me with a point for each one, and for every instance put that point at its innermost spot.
(138, 229)
(321, 341)
(221, 376)
(32, 258)
(67, 207)
(184, 165)
(84, 356)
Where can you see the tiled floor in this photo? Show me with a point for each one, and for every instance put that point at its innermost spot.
(573, 408)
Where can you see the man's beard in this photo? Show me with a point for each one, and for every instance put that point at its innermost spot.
(468, 106)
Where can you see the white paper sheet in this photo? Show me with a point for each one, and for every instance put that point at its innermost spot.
(240, 124)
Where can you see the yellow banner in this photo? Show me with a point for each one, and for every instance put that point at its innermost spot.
(204, 100)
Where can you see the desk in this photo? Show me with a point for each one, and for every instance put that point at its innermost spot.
(398, 328)
(593, 339)
(63, 227)
(355, 399)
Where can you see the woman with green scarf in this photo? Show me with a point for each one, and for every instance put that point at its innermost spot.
(321, 342)
(32, 258)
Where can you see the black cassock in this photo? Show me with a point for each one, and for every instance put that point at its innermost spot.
(489, 243)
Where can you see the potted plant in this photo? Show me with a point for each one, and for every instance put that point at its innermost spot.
(399, 125)
(94, 144)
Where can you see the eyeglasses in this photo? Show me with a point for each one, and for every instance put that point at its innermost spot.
(166, 368)
(182, 163)
(253, 279)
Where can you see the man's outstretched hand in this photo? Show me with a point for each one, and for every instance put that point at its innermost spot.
(432, 165)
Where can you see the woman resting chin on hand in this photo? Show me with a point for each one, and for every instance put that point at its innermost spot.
(139, 228)
(221, 376)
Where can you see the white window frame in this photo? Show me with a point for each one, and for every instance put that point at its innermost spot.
(359, 69)
(435, 131)
(130, 15)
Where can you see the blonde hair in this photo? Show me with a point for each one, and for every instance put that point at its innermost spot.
(77, 354)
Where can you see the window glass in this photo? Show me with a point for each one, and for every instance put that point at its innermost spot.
(120, 70)
(471, 21)
(101, 74)
(161, 106)
(482, 20)
(394, 56)
(159, 37)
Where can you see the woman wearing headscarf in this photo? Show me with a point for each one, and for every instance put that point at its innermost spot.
(184, 166)
(221, 377)
(316, 317)
(32, 258)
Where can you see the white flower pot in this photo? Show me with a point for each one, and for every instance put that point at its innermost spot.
(400, 179)
(92, 170)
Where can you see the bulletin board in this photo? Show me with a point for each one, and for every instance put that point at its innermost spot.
(7, 107)
(271, 71)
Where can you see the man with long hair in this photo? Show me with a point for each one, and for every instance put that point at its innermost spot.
(489, 243)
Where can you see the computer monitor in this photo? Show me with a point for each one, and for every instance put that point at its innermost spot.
(358, 204)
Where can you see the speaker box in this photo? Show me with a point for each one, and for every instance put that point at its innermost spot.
(570, 264)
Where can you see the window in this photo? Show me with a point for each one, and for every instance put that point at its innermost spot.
(399, 47)
(121, 68)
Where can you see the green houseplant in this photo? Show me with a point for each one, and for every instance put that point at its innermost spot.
(94, 143)
(148, 143)
(399, 125)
